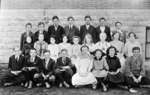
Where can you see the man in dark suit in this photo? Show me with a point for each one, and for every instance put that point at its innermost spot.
(41, 30)
(63, 69)
(26, 34)
(14, 74)
(103, 28)
(71, 30)
(32, 68)
(87, 28)
(48, 68)
(123, 33)
(56, 29)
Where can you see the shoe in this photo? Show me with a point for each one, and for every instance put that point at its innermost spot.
(26, 84)
(47, 85)
(131, 90)
(38, 84)
(30, 84)
(60, 85)
(104, 89)
(7, 84)
(94, 86)
(66, 84)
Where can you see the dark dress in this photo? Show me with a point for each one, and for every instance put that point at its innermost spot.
(70, 32)
(14, 65)
(23, 39)
(61, 74)
(107, 31)
(26, 49)
(91, 30)
(46, 36)
(57, 33)
(114, 65)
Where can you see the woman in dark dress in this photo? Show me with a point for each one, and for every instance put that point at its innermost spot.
(114, 77)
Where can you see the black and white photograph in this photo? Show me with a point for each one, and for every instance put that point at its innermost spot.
(74, 47)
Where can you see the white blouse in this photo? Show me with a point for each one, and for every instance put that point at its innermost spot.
(54, 50)
(102, 46)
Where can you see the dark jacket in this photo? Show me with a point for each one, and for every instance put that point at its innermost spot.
(23, 39)
(60, 62)
(37, 63)
(46, 36)
(91, 30)
(74, 31)
(57, 33)
(107, 31)
(15, 64)
(49, 69)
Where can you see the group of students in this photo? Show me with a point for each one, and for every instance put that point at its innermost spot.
(72, 57)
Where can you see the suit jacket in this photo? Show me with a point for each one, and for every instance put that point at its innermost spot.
(60, 62)
(107, 31)
(23, 39)
(49, 68)
(91, 30)
(74, 31)
(37, 63)
(123, 35)
(57, 33)
(46, 36)
(15, 64)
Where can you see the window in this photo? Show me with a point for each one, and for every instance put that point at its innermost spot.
(147, 45)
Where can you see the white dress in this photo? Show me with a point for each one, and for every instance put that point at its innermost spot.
(65, 46)
(54, 50)
(75, 51)
(84, 75)
(102, 46)
(91, 47)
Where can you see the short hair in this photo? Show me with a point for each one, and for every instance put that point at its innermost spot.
(117, 23)
(135, 48)
(84, 47)
(133, 34)
(41, 23)
(55, 17)
(111, 47)
(87, 17)
(76, 37)
(102, 18)
(32, 49)
(70, 17)
(100, 51)
(115, 34)
(46, 51)
(53, 36)
(62, 50)
(28, 24)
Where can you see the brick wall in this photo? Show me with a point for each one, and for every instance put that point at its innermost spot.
(12, 22)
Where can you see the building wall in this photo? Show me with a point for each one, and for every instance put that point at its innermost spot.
(12, 22)
(14, 14)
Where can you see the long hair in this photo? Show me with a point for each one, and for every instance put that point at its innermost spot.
(85, 38)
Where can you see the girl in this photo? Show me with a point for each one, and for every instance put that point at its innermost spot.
(65, 45)
(84, 65)
(132, 42)
(102, 44)
(53, 48)
(119, 45)
(88, 41)
(40, 46)
(100, 68)
(115, 77)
